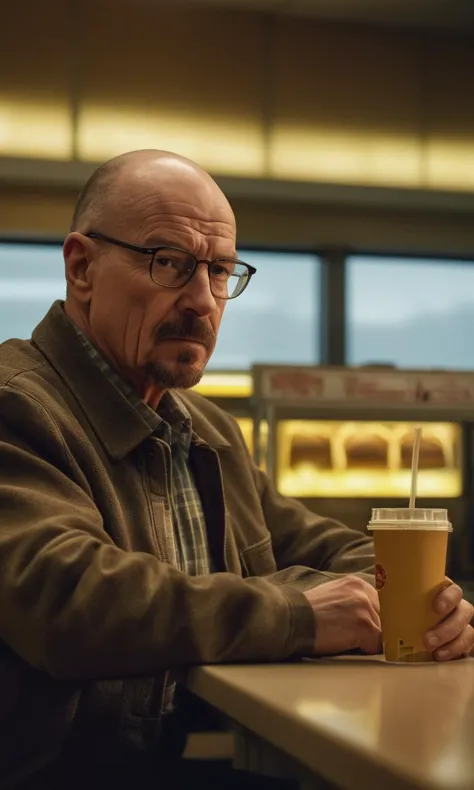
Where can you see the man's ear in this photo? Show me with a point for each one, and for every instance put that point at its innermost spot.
(77, 252)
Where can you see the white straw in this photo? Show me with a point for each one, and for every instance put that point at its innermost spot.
(414, 465)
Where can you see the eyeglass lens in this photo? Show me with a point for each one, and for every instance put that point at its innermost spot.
(173, 268)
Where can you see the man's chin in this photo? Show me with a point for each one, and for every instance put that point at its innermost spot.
(177, 375)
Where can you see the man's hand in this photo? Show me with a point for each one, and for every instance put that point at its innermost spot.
(453, 637)
(347, 616)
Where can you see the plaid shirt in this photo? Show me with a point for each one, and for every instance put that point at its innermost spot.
(172, 424)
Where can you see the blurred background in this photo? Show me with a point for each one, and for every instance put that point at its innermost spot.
(342, 132)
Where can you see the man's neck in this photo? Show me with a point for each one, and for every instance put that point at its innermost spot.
(150, 393)
(152, 396)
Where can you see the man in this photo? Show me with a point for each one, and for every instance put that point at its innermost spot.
(136, 535)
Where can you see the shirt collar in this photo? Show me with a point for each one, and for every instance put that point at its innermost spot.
(120, 418)
(171, 421)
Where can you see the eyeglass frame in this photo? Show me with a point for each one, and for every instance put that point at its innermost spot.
(153, 251)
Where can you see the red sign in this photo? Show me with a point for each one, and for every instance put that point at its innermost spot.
(380, 577)
(387, 386)
(291, 383)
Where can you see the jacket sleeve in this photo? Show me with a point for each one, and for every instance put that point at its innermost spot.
(76, 606)
(310, 550)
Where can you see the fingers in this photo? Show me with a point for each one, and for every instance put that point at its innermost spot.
(375, 614)
(369, 627)
(448, 598)
(347, 616)
(374, 606)
(370, 637)
(451, 628)
(372, 595)
(457, 648)
(367, 599)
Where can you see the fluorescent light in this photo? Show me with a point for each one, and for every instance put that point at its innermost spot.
(40, 129)
(355, 157)
(232, 145)
(450, 164)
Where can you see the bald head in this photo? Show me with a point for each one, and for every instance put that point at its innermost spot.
(114, 187)
(141, 219)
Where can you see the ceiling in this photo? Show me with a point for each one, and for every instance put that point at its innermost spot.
(444, 14)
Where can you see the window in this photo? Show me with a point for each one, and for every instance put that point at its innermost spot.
(277, 318)
(31, 278)
(412, 313)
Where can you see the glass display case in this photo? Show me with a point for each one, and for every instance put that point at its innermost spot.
(358, 458)
(233, 391)
(341, 440)
(235, 386)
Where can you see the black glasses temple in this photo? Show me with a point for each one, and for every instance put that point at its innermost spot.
(124, 244)
(149, 250)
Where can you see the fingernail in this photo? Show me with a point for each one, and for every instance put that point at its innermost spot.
(432, 640)
(442, 606)
(442, 654)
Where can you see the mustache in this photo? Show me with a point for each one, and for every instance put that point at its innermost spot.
(190, 328)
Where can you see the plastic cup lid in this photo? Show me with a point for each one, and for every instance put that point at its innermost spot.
(409, 518)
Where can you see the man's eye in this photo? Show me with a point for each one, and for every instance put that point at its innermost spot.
(165, 263)
(222, 270)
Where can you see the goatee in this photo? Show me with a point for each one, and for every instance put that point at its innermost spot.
(175, 377)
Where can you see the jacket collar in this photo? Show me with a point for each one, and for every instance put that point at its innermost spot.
(203, 429)
(118, 424)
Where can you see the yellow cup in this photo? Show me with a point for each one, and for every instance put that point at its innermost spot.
(410, 555)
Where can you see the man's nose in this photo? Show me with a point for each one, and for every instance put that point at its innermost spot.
(196, 294)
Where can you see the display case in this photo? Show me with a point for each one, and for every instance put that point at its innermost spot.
(233, 391)
(341, 440)
(359, 458)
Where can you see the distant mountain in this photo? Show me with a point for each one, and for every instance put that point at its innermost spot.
(18, 319)
(264, 335)
(430, 340)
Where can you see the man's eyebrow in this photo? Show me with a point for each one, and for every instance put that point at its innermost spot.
(232, 256)
(162, 241)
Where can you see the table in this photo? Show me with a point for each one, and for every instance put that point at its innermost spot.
(356, 722)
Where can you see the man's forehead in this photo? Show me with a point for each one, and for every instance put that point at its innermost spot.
(189, 235)
(153, 207)
(168, 179)
(199, 204)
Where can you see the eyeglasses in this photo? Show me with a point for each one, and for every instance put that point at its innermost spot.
(173, 267)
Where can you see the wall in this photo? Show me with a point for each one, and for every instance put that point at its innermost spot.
(251, 97)
(47, 212)
(243, 93)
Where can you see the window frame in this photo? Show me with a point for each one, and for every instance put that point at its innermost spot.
(318, 329)
(392, 255)
(331, 331)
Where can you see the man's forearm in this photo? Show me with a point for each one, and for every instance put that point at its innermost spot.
(303, 578)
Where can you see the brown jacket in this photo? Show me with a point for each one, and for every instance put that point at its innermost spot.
(91, 614)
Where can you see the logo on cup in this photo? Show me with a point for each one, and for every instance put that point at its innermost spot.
(380, 577)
